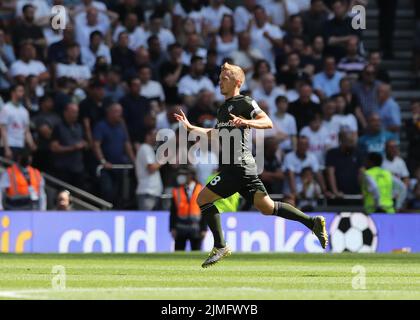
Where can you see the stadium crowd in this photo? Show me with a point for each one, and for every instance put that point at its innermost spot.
(96, 93)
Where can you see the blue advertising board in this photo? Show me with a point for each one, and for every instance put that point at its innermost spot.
(132, 232)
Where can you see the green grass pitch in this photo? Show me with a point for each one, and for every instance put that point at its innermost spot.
(180, 276)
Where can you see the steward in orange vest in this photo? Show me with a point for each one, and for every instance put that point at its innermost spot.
(22, 187)
(185, 215)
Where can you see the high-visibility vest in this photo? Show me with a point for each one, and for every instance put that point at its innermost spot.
(19, 186)
(383, 180)
(187, 208)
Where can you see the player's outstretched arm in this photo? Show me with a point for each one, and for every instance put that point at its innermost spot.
(187, 125)
(261, 121)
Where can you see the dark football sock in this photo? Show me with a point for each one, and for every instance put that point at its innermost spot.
(212, 217)
(287, 211)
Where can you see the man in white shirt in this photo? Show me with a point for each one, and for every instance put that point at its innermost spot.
(14, 124)
(95, 50)
(27, 65)
(243, 15)
(296, 161)
(191, 84)
(149, 88)
(394, 163)
(192, 49)
(165, 36)
(136, 34)
(150, 186)
(214, 13)
(266, 36)
(87, 22)
(286, 123)
(268, 92)
(246, 56)
(79, 72)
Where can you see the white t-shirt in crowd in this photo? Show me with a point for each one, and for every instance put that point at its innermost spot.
(32, 67)
(270, 98)
(346, 122)
(42, 8)
(190, 86)
(152, 89)
(136, 38)
(166, 37)
(276, 11)
(148, 183)
(74, 71)
(16, 121)
(287, 124)
(319, 142)
(333, 128)
(397, 167)
(186, 56)
(213, 16)
(196, 16)
(294, 164)
(224, 49)
(83, 30)
(89, 57)
(242, 17)
(262, 43)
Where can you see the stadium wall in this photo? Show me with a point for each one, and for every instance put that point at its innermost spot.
(132, 232)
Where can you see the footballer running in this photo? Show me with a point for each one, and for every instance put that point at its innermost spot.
(239, 173)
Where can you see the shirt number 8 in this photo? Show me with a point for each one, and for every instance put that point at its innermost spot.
(215, 180)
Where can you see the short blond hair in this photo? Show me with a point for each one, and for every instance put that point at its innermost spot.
(235, 71)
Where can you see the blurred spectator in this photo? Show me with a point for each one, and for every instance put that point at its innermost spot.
(379, 187)
(244, 13)
(188, 10)
(122, 56)
(67, 145)
(57, 51)
(294, 31)
(291, 73)
(44, 123)
(272, 176)
(412, 129)
(135, 109)
(166, 119)
(352, 102)
(375, 138)
(114, 88)
(149, 187)
(311, 191)
(315, 18)
(150, 89)
(344, 165)
(28, 65)
(88, 21)
(7, 57)
(338, 30)
(192, 49)
(194, 81)
(14, 124)
(96, 49)
(327, 82)
(286, 123)
(22, 186)
(203, 113)
(265, 36)
(225, 41)
(304, 108)
(156, 55)
(261, 67)
(26, 29)
(135, 33)
(330, 122)
(366, 90)
(112, 146)
(246, 56)
(388, 109)
(63, 201)
(71, 68)
(92, 108)
(386, 27)
(156, 28)
(344, 119)
(268, 92)
(295, 161)
(32, 94)
(315, 55)
(318, 137)
(171, 71)
(279, 11)
(375, 60)
(394, 163)
(213, 15)
(186, 222)
(353, 63)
